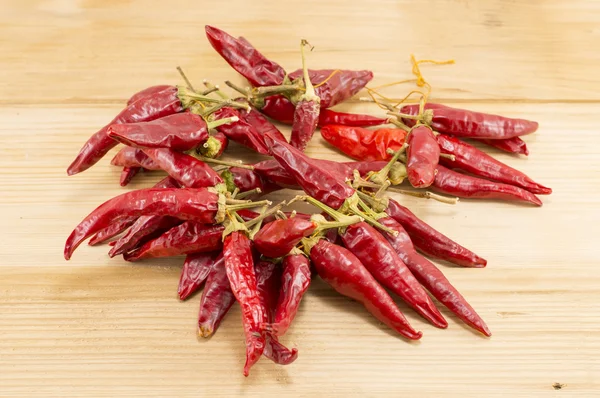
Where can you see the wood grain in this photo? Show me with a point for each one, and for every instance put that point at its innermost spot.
(101, 327)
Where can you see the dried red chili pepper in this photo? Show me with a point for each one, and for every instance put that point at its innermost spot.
(348, 276)
(186, 203)
(147, 92)
(328, 117)
(134, 157)
(127, 175)
(215, 145)
(474, 161)
(160, 104)
(295, 280)
(512, 145)
(464, 123)
(278, 107)
(186, 238)
(245, 59)
(217, 299)
(271, 170)
(146, 228)
(186, 169)
(464, 186)
(382, 261)
(247, 180)
(260, 123)
(279, 237)
(241, 131)
(422, 156)
(430, 241)
(237, 251)
(196, 268)
(364, 144)
(111, 231)
(432, 278)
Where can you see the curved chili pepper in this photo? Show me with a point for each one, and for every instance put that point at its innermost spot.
(432, 278)
(217, 299)
(159, 105)
(271, 170)
(279, 237)
(241, 131)
(184, 203)
(464, 123)
(247, 180)
(512, 145)
(348, 276)
(111, 231)
(268, 277)
(186, 169)
(147, 92)
(317, 181)
(260, 123)
(364, 144)
(237, 251)
(127, 175)
(134, 157)
(196, 268)
(422, 156)
(464, 186)
(327, 117)
(295, 280)
(474, 161)
(146, 228)
(382, 261)
(186, 238)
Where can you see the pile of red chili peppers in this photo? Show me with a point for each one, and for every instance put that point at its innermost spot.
(364, 244)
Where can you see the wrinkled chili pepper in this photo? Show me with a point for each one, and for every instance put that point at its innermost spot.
(147, 92)
(145, 228)
(464, 186)
(279, 107)
(237, 251)
(241, 131)
(474, 161)
(127, 175)
(186, 169)
(184, 203)
(432, 278)
(364, 144)
(295, 280)
(268, 277)
(512, 145)
(328, 117)
(260, 123)
(464, 123)
(245, 59)
(348, 276)
(186, 238)
(160, 104)
(196, 268)
(217, 299)
(430, 241)
(422, 156)
(382, 261)
(134, 157)
(111, 231)
(246, 180)
(279, 237)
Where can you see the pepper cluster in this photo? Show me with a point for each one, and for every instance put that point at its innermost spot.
(361, 242)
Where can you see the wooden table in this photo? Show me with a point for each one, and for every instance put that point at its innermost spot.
(100, 327)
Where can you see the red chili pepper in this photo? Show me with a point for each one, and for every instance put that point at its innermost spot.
(382, 261)
(237, 251)
(215, 145)
(217, 299)
(268, 278)
(348, 276)
(111, 231)
(159, 105)
(260, 123)
(247, 180)
(147, 92)
(432, 278)
(279, 108)
(279, 237)
(186, 169)
(146, 228)
(432, 242)
(271, 170)
(134, 157)
(196, 268)
(364, 144)
(241, 131)
(464, 186)
(474, 161)
(127, 175)
(512, 145)
(295, 280)
(245, 59)
(327, 117)
(464, 123)
(422, 156)
(189, 237)
(186, 204)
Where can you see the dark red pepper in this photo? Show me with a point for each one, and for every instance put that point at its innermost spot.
(217, 299)
(196, 268)
(215, 145)
(327, 117)
(147, 92)
(512, 145)
(111, 231)
(127, 175)
(134, 157)
(280, 108)
(260, 123)
(279, 237)
(145, 228)
(364, 144)
(422, 156)
(241, 131)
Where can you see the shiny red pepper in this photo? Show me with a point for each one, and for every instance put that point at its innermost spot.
(382, 261)
(134, 157)
(432, 278)
(464, 186)
(186, 169)
(241, 131)
(215, 145)
(422, 156)
(327, 117)
(512, 145)
(196, 268)
(146, 228)
(280, 108)
(147, 92)
(184, 203)
(279, 237)
(127, 175)
(464, 123)
(156, 106)
(217, 299)
(364, 144)
(111, 231)
(348, 276)
(237, 251)
(306, 117)
(474, 161)
(247, 180)
(260, 123)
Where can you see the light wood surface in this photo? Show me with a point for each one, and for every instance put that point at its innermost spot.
(100, 327)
